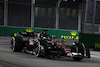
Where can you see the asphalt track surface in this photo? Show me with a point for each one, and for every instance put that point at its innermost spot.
(20, 59)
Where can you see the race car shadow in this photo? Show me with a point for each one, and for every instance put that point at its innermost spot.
(69, 59)
(61, 59)
(91, 60)
(86, 60)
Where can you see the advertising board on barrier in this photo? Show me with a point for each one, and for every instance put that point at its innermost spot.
(61, 34)
(97, 45)
(71, 35)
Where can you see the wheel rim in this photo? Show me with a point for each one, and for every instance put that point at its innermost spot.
(36, 51)
(13, 44)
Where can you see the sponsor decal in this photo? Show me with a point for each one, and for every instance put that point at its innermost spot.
(15, 34)
(29, 30)
(97, 45)
(73, 35)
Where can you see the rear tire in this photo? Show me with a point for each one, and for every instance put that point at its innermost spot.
(18, 45)
(42, 51)
(46, 49)
(45, 46)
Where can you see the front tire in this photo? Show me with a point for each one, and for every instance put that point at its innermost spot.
(87, 52)
(78, 48)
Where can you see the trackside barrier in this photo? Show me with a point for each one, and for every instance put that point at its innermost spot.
(91, 40)
(61, 34)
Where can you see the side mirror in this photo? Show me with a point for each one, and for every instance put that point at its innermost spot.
(53, 37)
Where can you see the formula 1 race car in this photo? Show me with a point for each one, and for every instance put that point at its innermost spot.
(41, 44)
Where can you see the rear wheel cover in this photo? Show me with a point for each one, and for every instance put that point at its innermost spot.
(77, 58)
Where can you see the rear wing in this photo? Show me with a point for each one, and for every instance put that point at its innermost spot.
(24, 34)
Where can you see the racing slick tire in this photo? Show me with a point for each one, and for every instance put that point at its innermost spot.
(16, 44)
(87, 52)
(44, 49)
(73, 49)
(78, 48)
(42, 52)
(47, 54)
